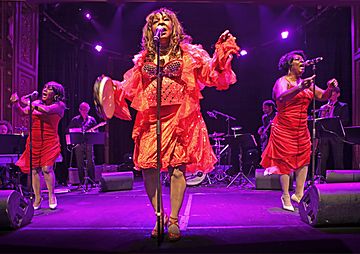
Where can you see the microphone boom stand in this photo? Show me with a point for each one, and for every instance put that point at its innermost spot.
(160, 226)
(313, 138)
(29, 178)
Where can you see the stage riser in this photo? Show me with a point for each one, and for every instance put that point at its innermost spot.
(331, 204)
(15, 210)
(117, 181)
(342, 176)
(269, 182)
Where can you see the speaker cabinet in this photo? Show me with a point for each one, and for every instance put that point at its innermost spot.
(74, 174)
(331, 204)
(269, 182)
(342, 176)
(15, 210)
(116, 181)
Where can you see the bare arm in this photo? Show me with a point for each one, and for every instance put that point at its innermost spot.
(55, 108)
(14, 99)
(282, 93)
(323, 95)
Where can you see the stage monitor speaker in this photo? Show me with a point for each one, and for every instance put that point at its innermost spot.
(331, 204)
(342, 176)
(15, 210)
(269, 182)
(116, 181)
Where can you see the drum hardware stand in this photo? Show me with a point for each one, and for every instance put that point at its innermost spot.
(241, 173)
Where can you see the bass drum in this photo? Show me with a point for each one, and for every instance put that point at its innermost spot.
(104, 97)
(194, 179)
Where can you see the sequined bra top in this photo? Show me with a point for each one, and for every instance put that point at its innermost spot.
(172, 90)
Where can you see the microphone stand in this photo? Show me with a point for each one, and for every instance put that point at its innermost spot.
(160, 226)
(313, 144)
(31, 152)
(228, 118)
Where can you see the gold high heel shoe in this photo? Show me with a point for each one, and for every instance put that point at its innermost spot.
(164, 221)
(287, 207)
(53, 206)
(174, 233)
(37, 207)
(295, 198)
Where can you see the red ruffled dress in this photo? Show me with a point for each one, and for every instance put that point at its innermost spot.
(45, 143)
(289, 146)
(184, 138)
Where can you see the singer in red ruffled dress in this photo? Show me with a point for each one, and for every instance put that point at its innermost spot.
(46, 115)
(186, 69)
(289, 146)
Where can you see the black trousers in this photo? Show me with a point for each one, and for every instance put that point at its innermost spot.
(331, 147)
(83, 153)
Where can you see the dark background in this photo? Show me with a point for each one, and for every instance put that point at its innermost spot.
(66, 54)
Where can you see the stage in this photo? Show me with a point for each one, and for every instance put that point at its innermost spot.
(213, 219)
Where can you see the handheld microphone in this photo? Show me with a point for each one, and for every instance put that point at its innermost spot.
(33, 94)
(158, 32)
(211, 114)
(313, 61)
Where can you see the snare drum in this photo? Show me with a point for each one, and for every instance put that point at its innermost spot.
(104, 97)
(193, 179)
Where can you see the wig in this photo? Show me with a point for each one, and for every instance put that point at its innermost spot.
(287, 59)
(177, 35)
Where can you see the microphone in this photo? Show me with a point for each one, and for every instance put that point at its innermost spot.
(313, 61)
(211, 114)
(33, 94)
(158, 32)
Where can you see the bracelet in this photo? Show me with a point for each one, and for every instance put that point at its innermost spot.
(300, 86)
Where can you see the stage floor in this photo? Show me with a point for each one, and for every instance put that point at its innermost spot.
(213, 219)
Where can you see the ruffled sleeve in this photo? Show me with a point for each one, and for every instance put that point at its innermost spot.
(215, 71)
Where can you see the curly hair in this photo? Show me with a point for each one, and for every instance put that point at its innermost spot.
(58, 89)
(177, 35)
(287, 59)
(8, 125)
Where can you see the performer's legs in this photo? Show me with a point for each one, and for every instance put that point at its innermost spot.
(324, 150)
(49, 177)
(285, 183)
(80, 162)
(90, 161)
(300, 175)
(337, 147)
(177, 190)
(36, 186)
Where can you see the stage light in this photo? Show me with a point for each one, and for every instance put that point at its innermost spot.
(87, 15)
(98, 47)
(284, 34)
(243, 52)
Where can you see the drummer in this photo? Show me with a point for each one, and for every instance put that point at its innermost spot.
(82, 123)
(186, 69)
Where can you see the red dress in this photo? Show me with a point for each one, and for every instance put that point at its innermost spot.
(45, 143)
(184, 138)
(289, 146)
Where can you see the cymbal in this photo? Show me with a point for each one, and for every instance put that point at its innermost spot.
(216, 134)
(218, 139)
(236, 128)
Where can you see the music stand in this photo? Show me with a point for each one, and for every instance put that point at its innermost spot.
(87, 138)
(330, 127)
(244, 142)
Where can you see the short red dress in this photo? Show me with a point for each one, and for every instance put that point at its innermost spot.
(289, 146)
(45, 143)
(184, 139)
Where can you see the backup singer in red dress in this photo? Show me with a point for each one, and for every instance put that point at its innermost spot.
(46, 116)
(289, 146)
(187, 69)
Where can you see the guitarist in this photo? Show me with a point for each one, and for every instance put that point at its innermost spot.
(80, 123)
(269, 110)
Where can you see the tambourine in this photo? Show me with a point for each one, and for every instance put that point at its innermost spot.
(104, 97)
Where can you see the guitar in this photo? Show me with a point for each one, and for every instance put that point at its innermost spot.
(264, 136)
(67, 136)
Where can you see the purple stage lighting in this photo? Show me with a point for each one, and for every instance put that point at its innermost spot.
(284, 34)
(87, 15)
(98, 47)
(243, 52)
